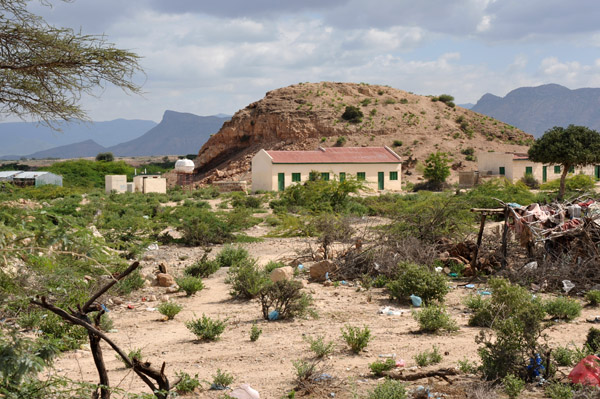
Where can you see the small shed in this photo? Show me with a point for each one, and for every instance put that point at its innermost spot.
(7, 175)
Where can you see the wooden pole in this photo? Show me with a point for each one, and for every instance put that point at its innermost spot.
(505, 238)
(479, 238)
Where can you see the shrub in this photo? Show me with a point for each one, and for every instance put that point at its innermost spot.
(556, 390)
(434, 318)
(206, 329)
(255, 332)
(564, 356)
(133, 354)
(186, 382)
(513, 386)
(221, 380)
(203, 227)
(379, 366)
(246, 279)
(418, 280)
(105, 157)
(445, 98)
(428, 357)
(397, 143)
(340, 141)
(272, 265)
(592, 340)
(319, 346)
(467, 367)
(389, 389)
(306, 371)
(578, 182)
(285, 297)
(563, 308)
(356, 338)
(517, 325)
(169, 309)
(437, 167)
(202, 268)
(593, 297)
(530, 181)
(231, 256)
(352, 114)
(468, 151)
(133, 282)
(190, 284)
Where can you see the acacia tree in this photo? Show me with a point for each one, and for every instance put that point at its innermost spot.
(44, 70)
(569, 147)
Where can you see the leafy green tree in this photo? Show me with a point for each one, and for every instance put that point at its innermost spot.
(45, 69)
(105, 156)
(569, 147)
(437, 168)
(352, 114)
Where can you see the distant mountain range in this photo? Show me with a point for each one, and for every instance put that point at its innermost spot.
(177, 133)
(537, 109)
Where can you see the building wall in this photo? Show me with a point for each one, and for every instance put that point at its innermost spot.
(155, 185)
(261, 172)
(489, 163)
(117, 183)
(334, 170)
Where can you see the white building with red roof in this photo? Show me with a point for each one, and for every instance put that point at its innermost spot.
(379, 167)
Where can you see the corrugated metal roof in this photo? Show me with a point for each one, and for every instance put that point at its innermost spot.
(520, 156)
(337, 155)
(30, 175)
(8, 173)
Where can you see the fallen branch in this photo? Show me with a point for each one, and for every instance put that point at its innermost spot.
(442, 373)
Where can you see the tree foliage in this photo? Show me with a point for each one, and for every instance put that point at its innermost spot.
(44, 70)
(437, 167)
(570, 147)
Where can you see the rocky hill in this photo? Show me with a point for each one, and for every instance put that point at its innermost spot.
(537, 109)
(308, 115)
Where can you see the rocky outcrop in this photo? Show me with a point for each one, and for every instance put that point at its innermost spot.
(307, 115)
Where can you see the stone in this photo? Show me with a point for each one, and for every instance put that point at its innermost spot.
(165, 280)
(319, 270)
(164, 298)
(148, 257)
(282, 273)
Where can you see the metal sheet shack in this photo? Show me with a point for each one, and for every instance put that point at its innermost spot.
(37, 178)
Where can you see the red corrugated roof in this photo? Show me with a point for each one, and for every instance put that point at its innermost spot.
(520, 157)
(337, 155)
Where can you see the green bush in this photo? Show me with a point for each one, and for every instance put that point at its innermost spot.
(428, 357)
(246, 279)
(202, 268)
(352, 114)
(221, 380)
(206, 329)
(320, 347)
(433, 318)
(563, 356)
(186, 383)
(530, 181)
(356, 338)
(593, 297)
(592, 340)
(255, 332)
(388, 389)
(563, 308)
(231, 256)
(556, 390)
(466, 366)
(418, 280)
(445, 98)
(379, 366)
(133, 282)
(340, 141)
(133, 354)
(190, 284)
(578, 182)
(272, 265)
(397, 143)
(203, 227)
(512, 386)
(169, 309)
(285, 297)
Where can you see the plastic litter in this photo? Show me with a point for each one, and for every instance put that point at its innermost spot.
(390, 311)
(377, 266)
(326, 275)
(416, 300)
(531, 266)
(587, 371)
(536, 366)
(322, 377)
(215, 387)
(151, 309)
(300, 267)
(153, 247)
(344, 282)
(273, 315)
(244, 391)
(388, 355)
(130, 306)
(439, 269)
(400, 363)
(453, 274)
(485, 293)
(470, 286)
(568, 285)
(104, 308)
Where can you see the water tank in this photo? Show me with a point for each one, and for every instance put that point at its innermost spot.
(184, 166)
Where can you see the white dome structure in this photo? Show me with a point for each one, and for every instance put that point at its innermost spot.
(184, 166)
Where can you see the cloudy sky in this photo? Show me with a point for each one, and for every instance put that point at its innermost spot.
(209, 57)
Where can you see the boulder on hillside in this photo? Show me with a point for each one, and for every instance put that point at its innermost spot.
(165, 280)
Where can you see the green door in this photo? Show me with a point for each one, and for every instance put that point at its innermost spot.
(380, 180)
(544, 174)
(281, 181)
(597, 171)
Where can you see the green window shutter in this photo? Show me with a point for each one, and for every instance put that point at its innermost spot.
(502, 171)
(361, 176)
(528, 170)
(325, 176)
(572, 169)
(342, 176)
(393, 175)
(556, 169)
(295, 177)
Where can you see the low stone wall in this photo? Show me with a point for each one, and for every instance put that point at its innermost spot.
(229, 186)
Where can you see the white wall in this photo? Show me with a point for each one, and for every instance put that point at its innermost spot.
(117, 183)
(262, 172)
